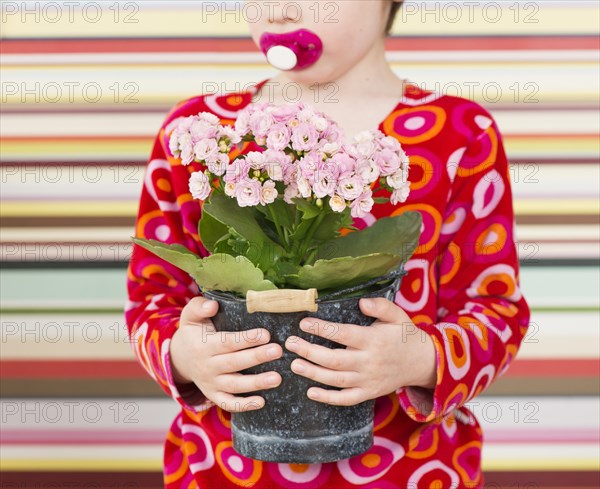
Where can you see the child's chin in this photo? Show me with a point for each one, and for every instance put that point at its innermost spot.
(311, 75)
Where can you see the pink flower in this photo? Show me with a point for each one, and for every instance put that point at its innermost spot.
(387, 161)
(400, 194)
(229, 133)
(304, 137)
(260, 123)
(389, 142)
(175, 124)
(230, 189)
(248, 192)
(344, 163)
(199, 186)
(187, 149)
(308, 165)
(256, 160)
(206, 149)
(333, 134)
(278, 137)
(350, 188)
(324, 186)
(368, 171)
(218, 166)
(238, 170)
(284, 113)
(319, 123)
(303, 186)
(275, 162)
(242, 123)
(337, 203)
(201, 129)
(291, 192)
(364, 144)
(363, 204)
(209, 118)
(397, 180)
(268, 193)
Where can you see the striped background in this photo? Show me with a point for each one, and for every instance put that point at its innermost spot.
(83, 93)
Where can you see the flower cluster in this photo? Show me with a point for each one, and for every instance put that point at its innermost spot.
(302, 155)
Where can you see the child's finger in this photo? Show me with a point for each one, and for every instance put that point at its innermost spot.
(198, 310)
(241, 360)
(325, 376)
(240, 384)
(384, 310)
(234, 404)
(345, 334)
(345, 397)
(336, 359)
(228, 342)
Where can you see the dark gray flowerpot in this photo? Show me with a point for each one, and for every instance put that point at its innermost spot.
(291, 428)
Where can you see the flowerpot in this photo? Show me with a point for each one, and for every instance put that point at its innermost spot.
(291, 428)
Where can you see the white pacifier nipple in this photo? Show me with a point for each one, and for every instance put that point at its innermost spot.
(282, 58)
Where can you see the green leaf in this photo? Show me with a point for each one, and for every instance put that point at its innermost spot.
(230, 274)
(397, 235)
(211, 231)
(242, 222)
(284, 212)
(343, 272)
(175, 254)
(309, 211)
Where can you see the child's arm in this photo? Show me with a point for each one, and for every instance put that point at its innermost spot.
(160, 300)
(482, 315)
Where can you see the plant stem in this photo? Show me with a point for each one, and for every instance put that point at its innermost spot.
(278, 227)
(311, 232)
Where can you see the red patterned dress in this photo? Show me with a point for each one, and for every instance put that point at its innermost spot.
(462, 288)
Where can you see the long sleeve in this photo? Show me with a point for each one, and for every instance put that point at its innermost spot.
(482, 315)
(158, 291)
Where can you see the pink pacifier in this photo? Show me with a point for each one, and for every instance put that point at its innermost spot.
(292, 51)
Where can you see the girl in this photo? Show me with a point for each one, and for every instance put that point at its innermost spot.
(455, 325)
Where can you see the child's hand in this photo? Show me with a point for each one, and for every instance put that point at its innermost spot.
(211, 359)
(389, 354)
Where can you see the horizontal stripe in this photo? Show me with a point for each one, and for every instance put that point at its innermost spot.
(155, 20)
(404, 43)
(138, 148)
(554, 368)
(147, 124)
(130, 369)
(129, 208)
(147, 437)
(124, 181)
(527, 223)
(417, 56)
(121, 235)
(84, 336)
(125, 479)
(534, 430)
(543, 287)
(75, 369)
(147, 388)
(524, 84)
(154, 480)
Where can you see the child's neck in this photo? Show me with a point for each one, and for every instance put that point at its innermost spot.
(355, 104)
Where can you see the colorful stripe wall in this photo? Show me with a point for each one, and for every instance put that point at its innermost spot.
(85, 88)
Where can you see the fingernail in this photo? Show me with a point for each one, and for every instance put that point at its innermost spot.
(313, 394)
(207, 306)
(306, 325)
(367, 303)
(272, 352)
(298, 367)
(273, 379)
